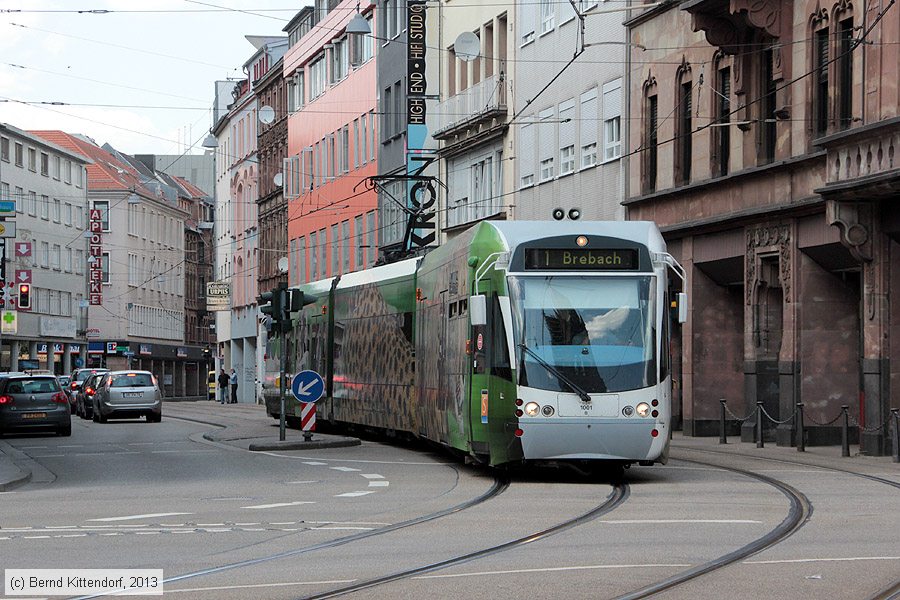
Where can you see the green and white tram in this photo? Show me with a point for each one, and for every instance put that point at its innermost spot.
(515, 341)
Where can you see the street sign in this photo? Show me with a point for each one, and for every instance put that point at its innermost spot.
(8, 229)
(23, 275)
(9, 322)
(23, 248)
(7, 206)
(307, 386)
(218, 295)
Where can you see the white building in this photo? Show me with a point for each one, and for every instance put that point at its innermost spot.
(48, 183)
(569, 135)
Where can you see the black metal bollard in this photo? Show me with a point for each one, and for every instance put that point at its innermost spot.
(759, 424)
(722, 438)
(845, 432)
(801, 435)
(895, 446)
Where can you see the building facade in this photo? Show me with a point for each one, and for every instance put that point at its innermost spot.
(763, 146)
(48, 250)
(332, 152)
(569, 135)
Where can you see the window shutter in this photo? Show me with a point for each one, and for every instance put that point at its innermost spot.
(589, 116)
(567, 130)
(546, 137)
(528, 17)
(525, 155)
(612, 99)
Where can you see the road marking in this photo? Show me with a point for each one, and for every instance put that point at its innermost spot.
(31, 447)
(372, 476)
(284, 523)
(313, 463)
(72, 446)
(277, 505)
(379, 483)
(344, 528)
(810, 560)
(210, 524)
(258, 585)
(310, 481)
(676, 521)
(147, 516)
(353, 494)
(246, 524)
(553, 569)
(345, 469)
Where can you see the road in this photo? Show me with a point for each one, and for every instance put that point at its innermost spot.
(387, 521)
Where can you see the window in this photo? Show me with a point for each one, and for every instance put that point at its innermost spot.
(588, 129)
(548, 16)
(20, 155)
(344, 149)
(57, 210)
(844, 86)
(4, 149)
(79, 262)
(104, 266)
(65, 301)
(767, 129)
(45, 164)
(55, 257)
(360, 240)
(392, 18)
(317, 77)
(684, 130)
(387, 116)
(67, 172)
(567, 137)
(45, 254)
(345, 245)
(372, 137)
(314, 256)
(612, 120)
(362, 47)
(79, 175)
(4, 191)
(32, 159)
(45, 207)
(301, 260)
(526, 155)
(335, 250)
(356, 147)
(19, 199)
(323, 253)
(649, 163)
(134, 275)
(103, 207)
(364, 141)
(67, 214)
(546, 144)
(32, 203)
(722, 133)
(57, 167)
(340, 60)
(370, 226)
(67, 265)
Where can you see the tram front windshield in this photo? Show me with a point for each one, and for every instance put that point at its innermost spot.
(596, 332)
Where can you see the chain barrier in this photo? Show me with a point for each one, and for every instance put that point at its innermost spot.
(807, 416)
(883, 426)
(737, 418)
(776, 421)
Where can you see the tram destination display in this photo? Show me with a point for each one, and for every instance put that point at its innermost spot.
(582, 259)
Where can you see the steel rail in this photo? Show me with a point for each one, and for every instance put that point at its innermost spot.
(619, 494)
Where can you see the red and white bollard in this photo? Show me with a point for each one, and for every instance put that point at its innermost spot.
(307, 419)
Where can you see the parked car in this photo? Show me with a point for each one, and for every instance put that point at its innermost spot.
(79, 377)
(124, 394)
(33, 402)
(211, 385)
(85, 401)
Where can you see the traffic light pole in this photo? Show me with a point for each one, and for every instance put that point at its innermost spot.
(281, 391)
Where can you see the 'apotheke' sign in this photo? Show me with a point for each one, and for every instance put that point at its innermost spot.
(95, 272)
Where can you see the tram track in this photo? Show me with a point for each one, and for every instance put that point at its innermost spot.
(892, 592)
(500, 485)
(620, 493)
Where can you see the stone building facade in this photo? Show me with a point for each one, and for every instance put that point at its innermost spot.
(764, 143)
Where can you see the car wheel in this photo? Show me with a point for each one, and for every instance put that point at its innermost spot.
(101, 418)
(152, 418)
(65, 430)
(95, 417)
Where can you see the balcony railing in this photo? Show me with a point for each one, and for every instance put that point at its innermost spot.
(482, 101)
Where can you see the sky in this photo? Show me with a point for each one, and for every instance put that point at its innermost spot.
(139, 78)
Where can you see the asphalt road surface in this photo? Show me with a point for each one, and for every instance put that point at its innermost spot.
(388, 521)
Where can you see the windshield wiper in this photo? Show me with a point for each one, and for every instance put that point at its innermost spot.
(572, 385)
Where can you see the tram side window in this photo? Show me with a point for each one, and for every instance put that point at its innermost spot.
(500, 364)
(665, 344)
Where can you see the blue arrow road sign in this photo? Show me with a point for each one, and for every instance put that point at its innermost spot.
(307, 386)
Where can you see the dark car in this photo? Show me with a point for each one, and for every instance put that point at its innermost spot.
(76, 385)
(124, 394)
(33, 402)
(85, 399)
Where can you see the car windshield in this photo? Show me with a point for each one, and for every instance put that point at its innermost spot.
(43, 385)
(132, 380)
(83, 375)
(598, 332)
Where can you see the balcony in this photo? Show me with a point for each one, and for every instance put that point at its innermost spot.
(474, 106)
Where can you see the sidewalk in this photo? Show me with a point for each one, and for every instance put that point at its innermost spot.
(11, 475)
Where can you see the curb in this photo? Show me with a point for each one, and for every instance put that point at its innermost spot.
(304, 445)
(23, 478)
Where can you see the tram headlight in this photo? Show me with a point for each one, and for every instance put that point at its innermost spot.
(628, 411)
(643, 409)
(532, 409)
(547, 411)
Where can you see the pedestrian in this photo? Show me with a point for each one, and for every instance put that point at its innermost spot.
(223, 386)
(233, 381)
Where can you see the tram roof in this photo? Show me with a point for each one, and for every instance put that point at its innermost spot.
(518, 232)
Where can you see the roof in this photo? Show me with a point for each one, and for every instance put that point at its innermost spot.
(189, 187)
(43, 141)
(107, 172)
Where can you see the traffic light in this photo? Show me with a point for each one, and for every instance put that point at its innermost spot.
(270, 304)
(24, 295)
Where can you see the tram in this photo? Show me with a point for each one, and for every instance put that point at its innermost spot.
(516, 341)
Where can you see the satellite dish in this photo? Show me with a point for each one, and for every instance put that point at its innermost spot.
(283, 264)
(278, 179)
(266, 114)
(467, 46)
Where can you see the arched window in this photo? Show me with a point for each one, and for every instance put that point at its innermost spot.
(684, 125)
(649, 156)
(720, 151)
